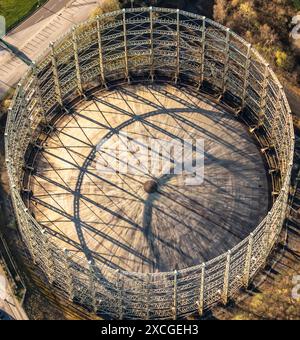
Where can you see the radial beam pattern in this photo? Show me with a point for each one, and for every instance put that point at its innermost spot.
(110, 215)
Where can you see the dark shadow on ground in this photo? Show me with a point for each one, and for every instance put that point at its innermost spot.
(15, 51)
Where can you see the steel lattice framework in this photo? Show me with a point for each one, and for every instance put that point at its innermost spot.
(152, 44)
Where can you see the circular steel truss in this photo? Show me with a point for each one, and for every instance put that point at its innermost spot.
(151, 45)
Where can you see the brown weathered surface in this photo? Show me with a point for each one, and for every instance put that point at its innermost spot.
(110, 216)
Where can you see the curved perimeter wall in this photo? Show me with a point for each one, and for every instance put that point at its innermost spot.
(152, 44)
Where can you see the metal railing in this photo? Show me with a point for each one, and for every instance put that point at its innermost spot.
(152, 44)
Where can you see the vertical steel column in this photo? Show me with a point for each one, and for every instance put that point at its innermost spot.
(37, 89)
(77, 64)
(49, 258)
(24, 110)
(69, 276)
(263, 101)
(152, 46)
(225, 294)
(247, 269)
(177, 47)
(20, 89)
(203, 44)
(148, 296)
(25, 113)
(7, 151)
(275, 228)
(119, 296)
(285, 205)
(267, 236)
(175, 296)
(92, 286)
(125, 46)
(226, 61)
(201, 291)
(56, 76)
(102, 75)
(23, 221)
(276, 119)
(246, 76)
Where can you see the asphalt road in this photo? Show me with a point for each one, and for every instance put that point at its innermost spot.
(8, 302)
(49, 8)
(31, 38)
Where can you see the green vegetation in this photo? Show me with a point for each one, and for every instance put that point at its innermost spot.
(296, 4)
(15, 11)
(6, 102)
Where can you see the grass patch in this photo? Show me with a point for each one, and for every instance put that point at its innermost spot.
(296, 4)
(14, 11)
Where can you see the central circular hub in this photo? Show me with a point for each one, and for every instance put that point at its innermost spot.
(150, 186)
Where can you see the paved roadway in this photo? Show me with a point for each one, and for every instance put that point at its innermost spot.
(32, 38)
(8, 302)
(49, 8)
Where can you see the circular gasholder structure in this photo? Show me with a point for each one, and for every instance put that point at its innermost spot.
(144, 246)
